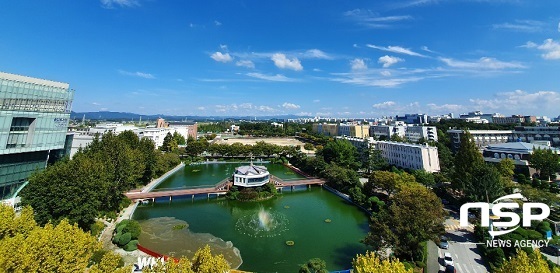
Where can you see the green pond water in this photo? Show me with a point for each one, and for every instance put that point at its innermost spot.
(255, 232)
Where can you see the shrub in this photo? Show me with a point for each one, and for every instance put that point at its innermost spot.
(131, 246)
(124, 239)
(116, 238)
(97, 256)
(133, 227)
(96, 228)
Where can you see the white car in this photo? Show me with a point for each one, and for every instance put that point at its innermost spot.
(447, 259)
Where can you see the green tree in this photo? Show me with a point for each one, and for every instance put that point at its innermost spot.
(314, 265)
(369, 263)
(341, 152)
(388, 182)
(423, 177)
(484, 184)
(75, 189)
(169, 143)
(466, 159)
(179, 139)
(546, 162)
(340, 178)
(308, 146)
(414, 216)
(376, 161)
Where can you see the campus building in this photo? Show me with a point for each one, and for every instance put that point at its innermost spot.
(532, 134)
(34, 115)
(519, 152)
(482, 138)
(410, 156)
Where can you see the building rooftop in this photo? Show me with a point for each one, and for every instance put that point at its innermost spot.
(519, 147)
(251, 169)
(25, 79)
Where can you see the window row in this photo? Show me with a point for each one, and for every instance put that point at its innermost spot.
(36, 105)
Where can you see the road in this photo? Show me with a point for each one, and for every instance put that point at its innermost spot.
(466, 256)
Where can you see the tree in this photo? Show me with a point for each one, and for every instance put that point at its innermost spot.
(308, 146)
(506, 168)
(169, 143)
(314, 265)
(466, 159)
(376, 161)
(522, 262)
(72, 189)
(338, 177)
(202, 262)
(383, 180)
(415, 215)
(484, 184)
(179, 139)
(369, 263)
(546, 162)
(52, 248)
(423, 177)
(341, 152)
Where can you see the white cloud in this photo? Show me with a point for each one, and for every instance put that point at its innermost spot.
(282, 62)
(304, 114)
(217, 23)
(387, 60)
(137, 74)
(521, 101)
(289, 105)
(550, 48)
(276, 78)
(224, 47)
(397, 49)
(385, 73)
(521, 26)
(96, 103)
(316, 54)
(316, 101)
(559, 27)
(384, 105)
(425, 48)
(482, 63)
(358, 64)
(264, 108)
(372, 19)
(109, 4)
(220, 57)
(245, 63)
(445, 107)
(201, 108)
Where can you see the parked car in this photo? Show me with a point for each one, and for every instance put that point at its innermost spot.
(553, 250)
(447, 259)
(450, 269)
(443, 244)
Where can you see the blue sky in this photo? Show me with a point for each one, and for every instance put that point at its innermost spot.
(318, 58)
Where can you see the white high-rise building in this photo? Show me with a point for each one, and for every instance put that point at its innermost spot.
(410, 156)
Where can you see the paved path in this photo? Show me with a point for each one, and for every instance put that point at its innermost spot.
(432, 259)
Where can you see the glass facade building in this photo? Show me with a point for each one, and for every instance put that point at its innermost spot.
(34, 115)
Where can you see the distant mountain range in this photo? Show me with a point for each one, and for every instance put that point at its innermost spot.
(124, 116)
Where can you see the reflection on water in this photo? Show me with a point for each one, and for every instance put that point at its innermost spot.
(262, 224)
(159, 235)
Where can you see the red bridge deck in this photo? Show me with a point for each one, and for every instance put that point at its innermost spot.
(222, 188)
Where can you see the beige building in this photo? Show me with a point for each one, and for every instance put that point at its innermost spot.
(360, 131)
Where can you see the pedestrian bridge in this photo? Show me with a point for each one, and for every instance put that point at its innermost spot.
(218, 189)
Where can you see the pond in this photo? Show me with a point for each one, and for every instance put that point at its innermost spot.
(320, 224)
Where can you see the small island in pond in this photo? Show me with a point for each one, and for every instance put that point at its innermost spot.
(251, 183)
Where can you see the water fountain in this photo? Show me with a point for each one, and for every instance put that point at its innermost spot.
(262, 224)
